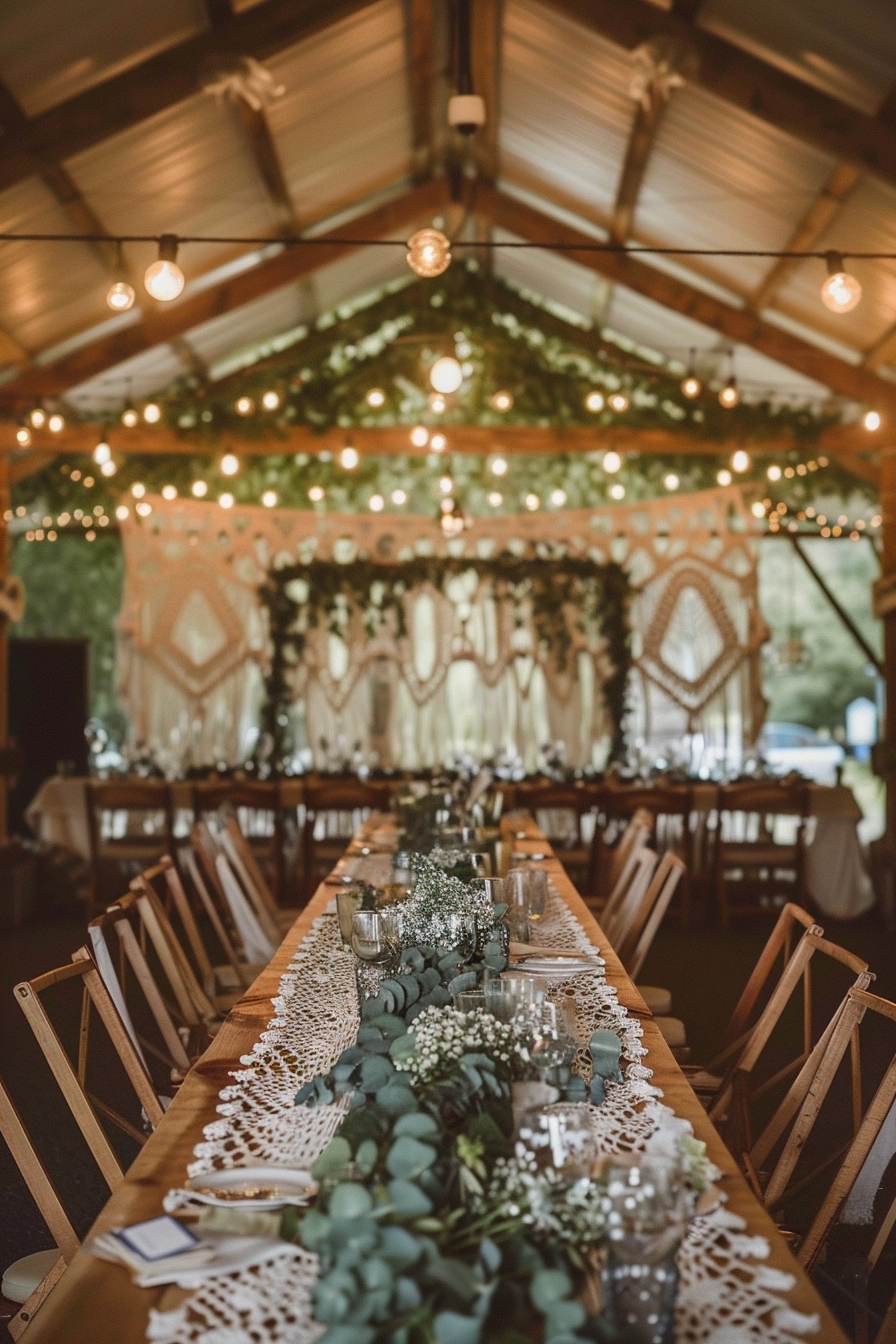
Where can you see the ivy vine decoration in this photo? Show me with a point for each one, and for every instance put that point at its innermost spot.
(565, 595)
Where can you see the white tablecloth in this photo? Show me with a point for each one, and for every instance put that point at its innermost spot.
(836, 876)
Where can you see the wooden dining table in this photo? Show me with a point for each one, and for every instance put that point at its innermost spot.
(95, 1302)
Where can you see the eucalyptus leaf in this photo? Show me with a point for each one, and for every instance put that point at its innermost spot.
(335, 1157)
(449, 1327)
(563, 1318)
(455, 1275)
(350, 1200)
(548, 1287)
(348, 1334)
(418, 1125)
(606, 1048)
(408, 1158)
(375, 1072)
(334, 1295)
(366, 1156)
(408, 1200)
(407, 1296)
(396, 1099)
(400, 1247)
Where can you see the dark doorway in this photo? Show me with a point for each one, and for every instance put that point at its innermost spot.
(48, 711)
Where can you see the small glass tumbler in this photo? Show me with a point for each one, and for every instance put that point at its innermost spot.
(514, 996)
(375, 936)
(527, 890)
(469, 1000)
(348, 900)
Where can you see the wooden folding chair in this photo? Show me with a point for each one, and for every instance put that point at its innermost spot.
(626, 896)
(242, 861)
(130, 824)
(84, 1105)
(577, 852)
(32, 1278)
(257, 929)
(258, 804)
(747, 843)
(633, 838)
(637, 938)
(333, 810)
(669, 810)
(191, 1006)
(220, 982)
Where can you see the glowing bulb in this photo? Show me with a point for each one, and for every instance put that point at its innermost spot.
(619, 402)
(437, 403)
(101, 453)
(122, 512)
(446, 485)
(438, 443)
(446, 375)
(120, 296)
(144, 508)
(199, 489)
(349, 458)
(56, 424)
(244, 405)
(269, 499)
(376, 503)
(169, 492)
(138, 489)
(164, 279)
(499, 467)
(23, 438)
(617, 491)
(152, 413)
(399, 497)
(724, 477)
(840, 292)
(419, 436)
(376, 398)
(495, 499)
(38, 417)
(230, 464)
(532, 502)
(108, 468)
(691, 386)
(757, 509)
(595, 402)
(558, 498)
(611, 462)
(502, 401)
(129, 417)
(226, 500)
(871, 420)
(671, 481)
(729, 395)
(316, 494)
(270, 400)
(774, 473)
(740, 461)
(429, 253)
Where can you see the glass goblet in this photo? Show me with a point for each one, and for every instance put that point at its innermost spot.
(375, 936)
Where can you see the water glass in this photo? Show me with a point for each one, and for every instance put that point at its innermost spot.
(470, 1000)
(513, 996)
(375, 936)
(527, 890)
(348, 900)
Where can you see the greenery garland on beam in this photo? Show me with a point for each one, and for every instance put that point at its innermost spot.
(302, 597)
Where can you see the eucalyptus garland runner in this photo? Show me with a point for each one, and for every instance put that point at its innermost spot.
(302, 597)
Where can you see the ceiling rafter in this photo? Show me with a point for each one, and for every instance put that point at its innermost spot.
(883, 351)
(808, 231)
(485, 43)
(165, 324)
(641, 140)
(735, 324)
(750, 83)
(257, 131)
(419, 32)
(116, 104)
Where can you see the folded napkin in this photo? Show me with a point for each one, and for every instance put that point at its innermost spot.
(217, 1253)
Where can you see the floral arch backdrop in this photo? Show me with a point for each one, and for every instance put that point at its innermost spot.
(470, 672)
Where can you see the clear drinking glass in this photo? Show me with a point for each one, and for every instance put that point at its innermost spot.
(527, 890)
(514, 996)
(375, 936)
(347, 902)
(469, 1000)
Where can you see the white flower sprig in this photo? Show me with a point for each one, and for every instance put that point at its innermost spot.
(444, 1035)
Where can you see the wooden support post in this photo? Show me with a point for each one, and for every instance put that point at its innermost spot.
(887, 765)
(4, 641)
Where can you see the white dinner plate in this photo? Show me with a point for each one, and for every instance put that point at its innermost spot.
(253, 1187)
(558, 966)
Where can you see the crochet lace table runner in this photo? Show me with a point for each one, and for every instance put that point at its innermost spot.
(727, 1294)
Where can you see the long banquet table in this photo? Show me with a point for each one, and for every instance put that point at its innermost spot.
(95, 1301)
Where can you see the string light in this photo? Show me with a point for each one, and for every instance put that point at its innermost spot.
(316, 494)
(594, 402)
(437, 403)
(757, 510)
(429, 253)
(144, 508)
(729, 395)
(619, 402)
(376, 503)
(671, 481)
(612, 462)
(230, 464)
(122, 512)
(23, 437)
(502, 401)
(871, 420)
(152, 413)
(774, 473)
(199, 489)
(446, 485)
(56, 423)
(495, 499)
(840, 292)
(138, 489)
(399, 497)
(38, 417)
(270, 400)
(164, 279)
(244, 406)
(120, 296)
(269, 499)
(101, 453)
(226, 500)
(724, 477)
(446, 375)
(532, 502)
(558, 498)
(438, 443)
(376, 398)
(691, 385)
(109, 468)
(740, 461)
(499, 466)
(617, 491)
(419, 436)
(349, 458)
(169, 492)
(129, 417)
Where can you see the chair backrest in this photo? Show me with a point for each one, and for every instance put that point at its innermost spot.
(73, 1084)
(626, 897)
(214, 905)
(174, 901)
(133, 801)
(557, 798)
(239, 855)
(191, 1005)
(119, 920)
(765, 800)
(637, 941)
(633, 838)
(258, 804)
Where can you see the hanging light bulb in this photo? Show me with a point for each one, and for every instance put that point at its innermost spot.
(38, 417)
(399, 497)
(594, 402)
(691, 385)
(270, 400)
(230, 464)
(452, 518)
(729, 396)
(724, 476)
(438, 443)
(349, 458)
(499, 466)
(244, 405)
(169, 492)
(740, 461)
(558, 498)
(56, 424)
(376, 503)
(199, 489)
(138, 489)
(226, 500)
(129, 417)
(120, 296)
(23, 437)
(532, 502)
(502, 401)
(495, 499)
(102, 453)
(437, 403)
(671, 481)
(619, 402)
(419, 436)
(316, 493)
(446, 485)
(152, 413)
(871, 420)
(164, 279)
(774, 473)
(612, 462)
(617, 491)
(429, 253)
(376, 398)
(841, 291)
(446, 375)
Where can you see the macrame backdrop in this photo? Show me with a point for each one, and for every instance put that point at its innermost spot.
(192, 637)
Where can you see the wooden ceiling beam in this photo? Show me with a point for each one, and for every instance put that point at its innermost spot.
(807, 233)
(646, 124)
(117, 104)
(419, 32)
(883, 351)
(748, 82)
(735, 324)
(487, 28)
(257, 131)
(167, 323)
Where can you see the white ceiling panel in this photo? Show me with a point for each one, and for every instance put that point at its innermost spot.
(49, 51)
(138, 377)
(342, 127)
(255, 322)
